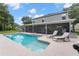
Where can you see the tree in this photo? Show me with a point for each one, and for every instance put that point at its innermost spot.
(73, 12)
(5, 17)
(11, 21)
(27, 20)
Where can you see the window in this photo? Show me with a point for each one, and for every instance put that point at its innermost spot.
(42, 20)
(64, 17)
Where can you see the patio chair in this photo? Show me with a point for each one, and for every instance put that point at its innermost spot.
(54, 33)
(64, 37)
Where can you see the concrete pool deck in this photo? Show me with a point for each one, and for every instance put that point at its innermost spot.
(11, 48)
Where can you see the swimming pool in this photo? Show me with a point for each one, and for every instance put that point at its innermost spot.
(29, 41)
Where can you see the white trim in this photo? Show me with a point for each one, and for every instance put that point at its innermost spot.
(54, 22)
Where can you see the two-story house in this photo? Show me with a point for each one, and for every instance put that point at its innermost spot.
(50, 22)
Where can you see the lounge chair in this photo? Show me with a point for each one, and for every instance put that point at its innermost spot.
(54, 33)
(64, 37)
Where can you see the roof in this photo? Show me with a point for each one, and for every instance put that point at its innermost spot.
(51, 14)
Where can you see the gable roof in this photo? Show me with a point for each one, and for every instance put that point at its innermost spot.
(51, 14)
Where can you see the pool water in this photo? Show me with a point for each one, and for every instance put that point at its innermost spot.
(29, 41)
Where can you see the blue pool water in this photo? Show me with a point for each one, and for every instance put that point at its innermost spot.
(29, 41)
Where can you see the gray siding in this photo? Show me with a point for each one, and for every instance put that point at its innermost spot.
(51, 18)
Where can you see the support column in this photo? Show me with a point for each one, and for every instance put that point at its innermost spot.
(46, 28)
(24, 29)
(70, 28)
(32, 28)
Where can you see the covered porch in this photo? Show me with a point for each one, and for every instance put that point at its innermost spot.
(48, 28)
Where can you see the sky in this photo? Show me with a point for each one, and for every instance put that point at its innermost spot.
(34, 10)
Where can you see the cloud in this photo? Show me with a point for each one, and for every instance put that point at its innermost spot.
(67, 5)
(32, 11)
(18, 21)
(15, 6)
(38, 15)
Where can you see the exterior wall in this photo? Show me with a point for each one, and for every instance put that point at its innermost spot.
(51, 18)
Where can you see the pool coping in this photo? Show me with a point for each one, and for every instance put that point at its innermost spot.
(35, 53)
(18, 45)
(48, 51)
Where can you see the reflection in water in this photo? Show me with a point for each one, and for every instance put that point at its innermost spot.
(19, 38)
(9, 35)
(29, 41)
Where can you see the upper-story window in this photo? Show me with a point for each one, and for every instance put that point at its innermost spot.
(42, 20)
(63, 17)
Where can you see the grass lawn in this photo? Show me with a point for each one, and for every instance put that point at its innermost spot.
(10, 31)
(77, 33)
